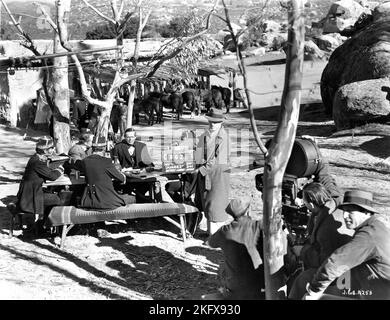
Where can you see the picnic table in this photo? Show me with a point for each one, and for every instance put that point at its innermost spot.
(141, 176)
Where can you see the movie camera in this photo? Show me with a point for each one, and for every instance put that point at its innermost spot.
(295, 216)
(304, 162)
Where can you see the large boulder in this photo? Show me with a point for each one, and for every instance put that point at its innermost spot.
(343, 14)
(364, 56)
(362, 102)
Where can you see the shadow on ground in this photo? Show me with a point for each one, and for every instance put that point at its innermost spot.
(378, 147)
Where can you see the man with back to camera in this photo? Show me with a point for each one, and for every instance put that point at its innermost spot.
(366, 258)
(99, 192)
(242, 274)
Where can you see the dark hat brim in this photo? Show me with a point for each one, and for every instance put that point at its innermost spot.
(363, 206)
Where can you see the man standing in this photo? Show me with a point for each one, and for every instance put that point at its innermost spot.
(366, 258)
(99, 172)
(327, 232)
(242, 274)
(212, 157)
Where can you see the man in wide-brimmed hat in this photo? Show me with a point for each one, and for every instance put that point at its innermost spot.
(31, 198)
(212, 158)
(366, 257)
(242, 273)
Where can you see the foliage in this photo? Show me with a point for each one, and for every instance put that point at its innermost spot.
(107, 30)
(181, 26)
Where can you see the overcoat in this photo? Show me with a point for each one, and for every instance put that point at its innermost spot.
(213, 187)
(30, 194)
(99, 193)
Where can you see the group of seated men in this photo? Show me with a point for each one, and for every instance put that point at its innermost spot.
(89, 157)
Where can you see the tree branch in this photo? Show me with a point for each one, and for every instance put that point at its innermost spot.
(26, 37)
(98, 12)
(47, 17)
(241, 64)
(121, 8)
(115, 10)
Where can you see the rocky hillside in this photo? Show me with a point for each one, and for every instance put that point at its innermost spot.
(83, 19)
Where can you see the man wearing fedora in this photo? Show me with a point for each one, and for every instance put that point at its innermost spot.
(327, 231)
(31, 198)
(242, 274)
(99, 192)
(365, 260)
(212, 156)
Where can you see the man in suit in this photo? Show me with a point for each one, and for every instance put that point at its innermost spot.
(99, 192)
(133, 154)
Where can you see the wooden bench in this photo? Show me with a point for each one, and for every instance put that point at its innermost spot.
(68, 216)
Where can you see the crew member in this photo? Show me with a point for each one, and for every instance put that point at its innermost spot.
(365, 260)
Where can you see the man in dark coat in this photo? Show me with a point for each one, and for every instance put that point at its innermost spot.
(242, 274)
(365, 260)
(99, 193)
(31, 198)
(82, 113)
(327, 232)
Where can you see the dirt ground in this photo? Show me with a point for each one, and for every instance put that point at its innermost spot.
(145, 259)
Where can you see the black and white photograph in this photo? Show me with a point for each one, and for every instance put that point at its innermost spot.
(208, 151)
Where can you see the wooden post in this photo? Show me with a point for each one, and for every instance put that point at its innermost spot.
(279, 153)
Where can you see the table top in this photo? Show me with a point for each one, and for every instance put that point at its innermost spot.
(142, 176)
(64, 180)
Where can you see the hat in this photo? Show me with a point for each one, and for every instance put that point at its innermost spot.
(238, 207)
(45, 143)
(360, 198)
(215, 115)
(99, 142)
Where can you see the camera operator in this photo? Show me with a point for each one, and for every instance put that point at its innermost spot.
(327, 232)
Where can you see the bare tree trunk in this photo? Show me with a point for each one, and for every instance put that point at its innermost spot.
(141, 25)
(279, 154)
(130, 104)
(60, 86)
